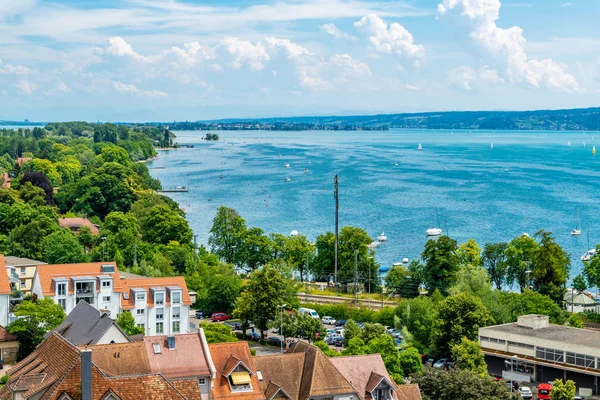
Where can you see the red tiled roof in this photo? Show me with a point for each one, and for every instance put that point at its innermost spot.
(78, 223)
(5, 336)
(363, 371)
(187, 387)
(147, 283)
(282, 370)
(117, 359)
(186, 360)
(47, 272)
(409, 392)
(221, 353)
(4, 282)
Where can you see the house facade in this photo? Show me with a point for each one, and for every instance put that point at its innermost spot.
(21, 272)
(159, 305)
(6, 290)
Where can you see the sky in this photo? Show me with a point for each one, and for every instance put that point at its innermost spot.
(166, 60)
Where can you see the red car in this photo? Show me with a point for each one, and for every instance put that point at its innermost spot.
(220, 316)
(544, 390)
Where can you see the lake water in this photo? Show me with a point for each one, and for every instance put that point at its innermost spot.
(527, 181)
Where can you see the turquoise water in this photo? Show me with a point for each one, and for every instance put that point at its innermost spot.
(528, 181)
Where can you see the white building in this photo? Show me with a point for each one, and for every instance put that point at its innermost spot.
(5, 294)
(159, 305)
(580, 302)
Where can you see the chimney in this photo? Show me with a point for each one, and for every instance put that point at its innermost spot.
(86, 374)
(171, 342)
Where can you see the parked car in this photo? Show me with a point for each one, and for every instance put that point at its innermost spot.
(202, 314)
(525, 392)
(328, 320)
(429, 361)
(308, 311)
(340, 322)
(441, 363)
(236, 326)
(220, 316)
(274, 341)
(396, 334)
(337, 341)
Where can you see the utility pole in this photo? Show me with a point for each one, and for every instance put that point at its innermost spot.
(135, 253)
(356, 276)
(337, 208)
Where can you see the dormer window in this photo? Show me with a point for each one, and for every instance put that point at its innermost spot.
(176, 298)
(159, 299)
(106, 284)
(61, 289)
(140, 296)
(240, 380)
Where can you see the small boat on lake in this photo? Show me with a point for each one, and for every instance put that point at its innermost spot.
(492, 146)
(286, 165)
(305, 170)
(287, 179)
(405, 260)
(374, 245)
(577, 231)
(435, 231)
(588, 255)
(420, 147)
(382, 237)
(594, 150)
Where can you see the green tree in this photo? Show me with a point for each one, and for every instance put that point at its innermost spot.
(223, 291)
(356, 346)
(551, 268)
(591, 269)
(579, 283)
(323, 266)
(353, 245)
(126, 322)
(261, 296)
(115, 154)
(34, 319)
(456, 384)
(328, 351)
(520, 254)
(385, 346)
(575, 321)
(530, 302)
(562, 390)
(410, 361)
(468, 355)
(227, 234)
(420, 317)
(162, 225)
(299, 250)
(62, 247)
(441, 264)
(86, 238)
(27, 239)
(469, 252)
(309, 327)
(494, 261)
(218, 333)
(460, 316)
(402, 281)
(351, 330)
(32, 194)
(255, 250)
(371, 331)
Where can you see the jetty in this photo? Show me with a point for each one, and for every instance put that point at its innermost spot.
(178, 189)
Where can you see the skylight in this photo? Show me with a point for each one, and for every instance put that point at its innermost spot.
(157, 349)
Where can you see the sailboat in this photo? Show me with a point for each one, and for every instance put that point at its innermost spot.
(434, 231)
(492, 146)
(577, 231)
(569, 143)
(594, 150)
(420, 147)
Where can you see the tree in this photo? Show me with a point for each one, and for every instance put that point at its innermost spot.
(494, 261)
(420, 317)
(115, 154)
(35, 318)
(579, 283)
(371, 331)
(223, 291)
(259, 300)
(520, 253)
(456, 384)
(353, 245)
(255, 250)
(40, 180)
(530, 302)
(126, 322)
(227, 234)
(441, 264)
(402, 281)
(162, 225)
(298, 251)
(469, 252)
(32, 194)
(27, 239)
(550, 268)
(308, 327)
(351, 330)
(323, 266)
(218, 333)
(410, 361)
(460, 316)
(574, 321)
(385, 346)
(62, 247)
(468, 355)
(562, 390)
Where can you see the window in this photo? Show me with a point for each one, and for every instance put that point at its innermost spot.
(140, 296)
(492, 340)
(176, 313)
(23, 270)
(176, 297)
(550, 354)
(581, 360)
(160, 314)
(159, 328)
(201, 381)
(62, 289)
(23, 284)
(106, 299)
(156, 348)
(159, 299)
(175, 326)
(140, 311)
(522, 345)
(381, 394)
(63, 303)
(106, 284)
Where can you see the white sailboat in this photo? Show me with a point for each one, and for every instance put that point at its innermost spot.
(492, 146)
(594, 150)
(382, 237)
(420, 147)
(569, 143)
(577, 231)
(435, 231)
(286, 165)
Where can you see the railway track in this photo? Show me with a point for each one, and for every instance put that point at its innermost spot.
(319, 299)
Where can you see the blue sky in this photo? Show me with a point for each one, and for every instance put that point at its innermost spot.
(163, 60)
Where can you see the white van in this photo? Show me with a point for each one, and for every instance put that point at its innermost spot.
(308, 311)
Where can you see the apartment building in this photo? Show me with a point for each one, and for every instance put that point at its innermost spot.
(21, 272)
(159, 305)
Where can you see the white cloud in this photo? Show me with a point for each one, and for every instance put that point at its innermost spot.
(413, 87)
(117, 46)
(132, 89)
(292, 49)
(245, 53)
(336, 32)
(348, 66)
(25, 86)
(490, 75)
(62, 87)
(505, 47)
(389, 39)
(462, 77)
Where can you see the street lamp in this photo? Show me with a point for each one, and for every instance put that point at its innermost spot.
(281, 327)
